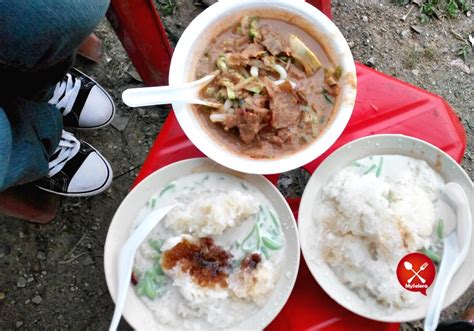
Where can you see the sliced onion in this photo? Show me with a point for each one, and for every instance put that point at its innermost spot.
(254, 71)
(215, 117)
(227, 105)
(281, 71)
(283, 75)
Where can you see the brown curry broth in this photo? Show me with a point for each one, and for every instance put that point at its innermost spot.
(312, 86)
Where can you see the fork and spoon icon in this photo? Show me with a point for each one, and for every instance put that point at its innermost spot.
(409, 267)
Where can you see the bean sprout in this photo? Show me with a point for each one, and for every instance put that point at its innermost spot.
(215, 117)
(227, 105)
(254, 71)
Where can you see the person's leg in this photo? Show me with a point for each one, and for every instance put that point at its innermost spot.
(34, 147)
(39, 39)
(29, 133)
(37, 49)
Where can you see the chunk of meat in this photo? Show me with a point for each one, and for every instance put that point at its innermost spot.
(256, 101)
(240, 44)
(257, 63)
(259, 104)
(248, 124)
(283, 136)
(252, 51)
(230, 122)
(303, 90)
(296, 73)
(228, 45)
(272, 42)
(264, 114)
(276, 140)
(283, 105)
(233, 59)
(262, 149)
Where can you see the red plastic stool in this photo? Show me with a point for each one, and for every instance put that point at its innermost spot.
(29, 203)
(383, 105)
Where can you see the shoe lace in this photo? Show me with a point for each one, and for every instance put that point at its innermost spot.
(66, 150)
(65, 93)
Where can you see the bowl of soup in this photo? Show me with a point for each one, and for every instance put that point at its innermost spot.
(284, 86)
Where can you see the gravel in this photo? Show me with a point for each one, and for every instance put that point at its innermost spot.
(41, 255)
(37, 299)
(21, 282)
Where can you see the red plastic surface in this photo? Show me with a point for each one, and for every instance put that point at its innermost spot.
(138, 25)
(383, 105)
(322, 5)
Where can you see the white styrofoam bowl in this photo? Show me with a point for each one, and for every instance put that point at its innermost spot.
(224, 14)
(136, 312)
(387, 144)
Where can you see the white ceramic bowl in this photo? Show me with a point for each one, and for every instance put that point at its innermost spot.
(227, 13)
(344, 156)
(136, 312)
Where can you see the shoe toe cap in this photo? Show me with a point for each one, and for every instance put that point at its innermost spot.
(93, 177)
(98, 109)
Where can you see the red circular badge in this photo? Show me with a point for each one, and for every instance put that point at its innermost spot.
(416, 272)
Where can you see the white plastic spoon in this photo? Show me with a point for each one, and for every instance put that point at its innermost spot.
(162, 95)
(127, 256)
(456, 246)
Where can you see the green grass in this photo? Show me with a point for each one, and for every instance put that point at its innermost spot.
(166, 7)
(431, 9)
(464, 51)
(436, 9)
(464, 5)
(452, 9)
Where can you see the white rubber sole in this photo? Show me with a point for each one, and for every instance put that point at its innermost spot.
(104, 187)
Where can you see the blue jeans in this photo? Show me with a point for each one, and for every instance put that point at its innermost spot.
(38, 41)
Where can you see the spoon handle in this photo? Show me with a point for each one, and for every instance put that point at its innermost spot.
(456, 247)
(162, 95)
(125, 264)
(445, 274)
(157, 95)
(127, 257)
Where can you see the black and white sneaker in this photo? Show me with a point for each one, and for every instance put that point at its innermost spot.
(83, 103)
(76, 169)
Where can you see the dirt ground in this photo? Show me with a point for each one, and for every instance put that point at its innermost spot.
(51, 276)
